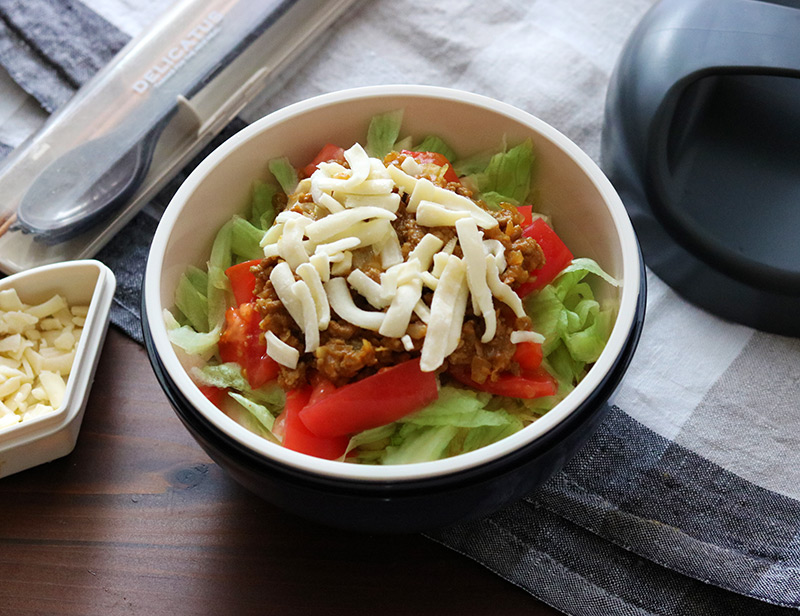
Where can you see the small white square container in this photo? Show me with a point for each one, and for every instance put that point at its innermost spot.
(45, 438)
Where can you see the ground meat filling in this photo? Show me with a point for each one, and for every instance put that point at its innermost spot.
(347, 353)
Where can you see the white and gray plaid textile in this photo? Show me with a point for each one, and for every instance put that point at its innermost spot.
(687, 500)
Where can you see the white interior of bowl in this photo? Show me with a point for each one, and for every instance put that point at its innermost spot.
(584, 207)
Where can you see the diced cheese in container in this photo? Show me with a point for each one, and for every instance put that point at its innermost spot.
(10, 386)
(10, 343)
(48, 308)
(54, 385)
(10, 301)
(61, 363)
(16, 322)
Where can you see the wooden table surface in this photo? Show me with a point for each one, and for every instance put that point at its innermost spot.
(138, 520)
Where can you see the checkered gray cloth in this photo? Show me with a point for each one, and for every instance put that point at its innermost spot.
(687, 500)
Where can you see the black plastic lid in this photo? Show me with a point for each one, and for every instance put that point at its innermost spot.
(702, 141)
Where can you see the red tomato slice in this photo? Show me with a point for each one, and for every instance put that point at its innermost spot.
(299, 438)
(528, 355)
(240, 342)
(374, 401)
(328, 153)
(215, 394)
(557, 256)
(436, 159)
(243, 281)
(528, 385)
(527, 215)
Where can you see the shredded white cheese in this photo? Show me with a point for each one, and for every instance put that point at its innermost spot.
(355, 209)
(284, 354)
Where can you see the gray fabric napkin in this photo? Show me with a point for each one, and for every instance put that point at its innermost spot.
(687, 500)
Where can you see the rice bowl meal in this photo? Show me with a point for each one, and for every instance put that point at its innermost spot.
(392, 301)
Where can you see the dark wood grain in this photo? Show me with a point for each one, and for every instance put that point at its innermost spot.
(138, 520)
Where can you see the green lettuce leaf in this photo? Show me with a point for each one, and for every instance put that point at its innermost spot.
(229, 376)
(420, 444)
(202, 344)
(219, 288)
(192, 302)
(507, 177)
(457, 407)
(575, 326)
(384, 129)
(284, 173)
(246, 239)
(262, 213)
(432, 143)
(259, 411)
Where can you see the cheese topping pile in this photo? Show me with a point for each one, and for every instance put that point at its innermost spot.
(37, 350)
(358, 206)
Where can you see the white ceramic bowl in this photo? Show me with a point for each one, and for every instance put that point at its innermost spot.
(47, 437)
(584, 207)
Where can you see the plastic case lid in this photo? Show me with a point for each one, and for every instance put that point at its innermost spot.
(131, 128)
(701, 141)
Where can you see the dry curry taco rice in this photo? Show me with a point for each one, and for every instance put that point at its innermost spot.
(391, 303)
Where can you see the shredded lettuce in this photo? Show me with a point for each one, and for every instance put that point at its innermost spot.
(419, 444)
(192, 302)
(246, 239)
(507, 176)
(259, 411)
(218, 284)
(432, 143)
(384, 129)
(202, 344)
(575, 326)
(262, 213)
(229, 376)
(285, 174)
